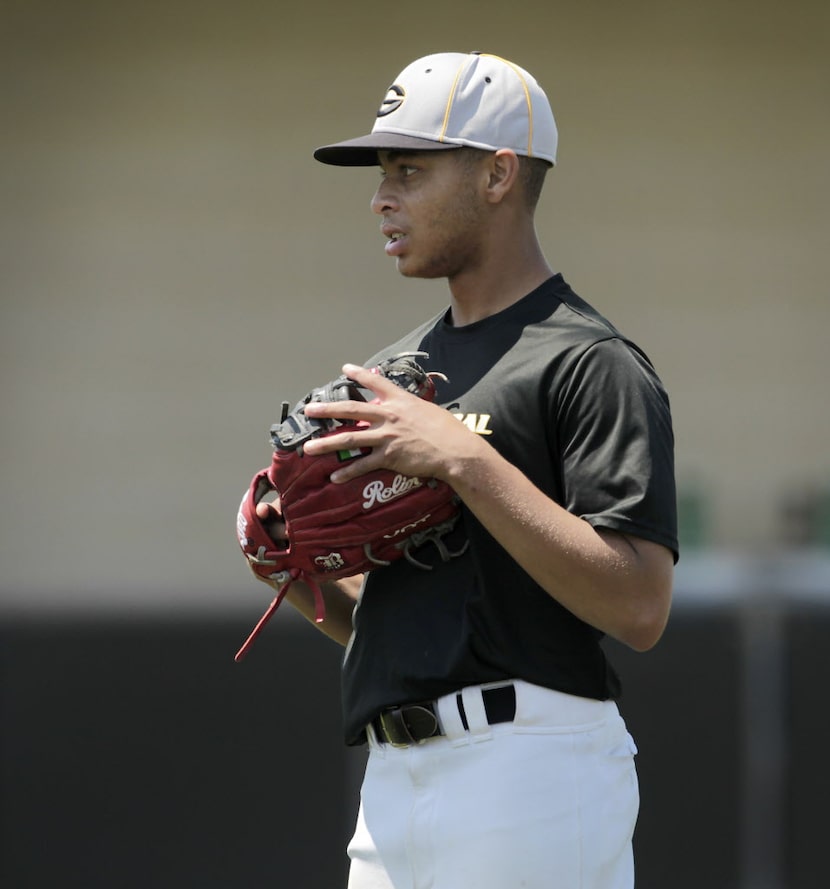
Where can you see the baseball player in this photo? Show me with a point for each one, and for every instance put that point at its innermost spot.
(497, 754)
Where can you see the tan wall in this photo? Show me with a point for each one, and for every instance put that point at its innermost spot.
(174, 263)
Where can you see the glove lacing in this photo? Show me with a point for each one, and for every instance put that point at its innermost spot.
(293, 575)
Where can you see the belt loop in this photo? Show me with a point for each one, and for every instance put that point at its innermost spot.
(450, 718)
(374, 741)
(473, 704)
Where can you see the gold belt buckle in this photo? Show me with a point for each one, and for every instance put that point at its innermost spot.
(405, 726)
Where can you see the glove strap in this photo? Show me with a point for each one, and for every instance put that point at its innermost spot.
(319, 612)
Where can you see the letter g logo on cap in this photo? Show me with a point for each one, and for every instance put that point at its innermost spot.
(392, 100)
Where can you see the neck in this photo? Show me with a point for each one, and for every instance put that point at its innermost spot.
(507, 275)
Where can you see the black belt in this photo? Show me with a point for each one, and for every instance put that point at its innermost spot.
(415, 723)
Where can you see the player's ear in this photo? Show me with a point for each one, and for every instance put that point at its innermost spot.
(503, 174)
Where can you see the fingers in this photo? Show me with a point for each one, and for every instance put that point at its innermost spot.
(367, 411)
(370, 379)
(363, 375)
(356, 468)
(266, 512)
(378, 423)
(271, 519)
(366, 378)
(365, 439)
(341, 410)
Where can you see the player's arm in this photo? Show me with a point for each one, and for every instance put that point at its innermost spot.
(617, 583)
(340, 597)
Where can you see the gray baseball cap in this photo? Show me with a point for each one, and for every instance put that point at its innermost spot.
(449, 100)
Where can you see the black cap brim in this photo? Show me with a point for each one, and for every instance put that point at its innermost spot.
(363, 151)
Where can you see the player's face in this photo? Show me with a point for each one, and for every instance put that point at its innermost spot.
(432, 212)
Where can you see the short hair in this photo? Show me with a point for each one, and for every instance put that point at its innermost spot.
(532, 172)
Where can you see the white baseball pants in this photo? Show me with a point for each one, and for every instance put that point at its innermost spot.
(548, 801)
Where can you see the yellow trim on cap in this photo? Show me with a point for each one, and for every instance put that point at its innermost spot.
(450, 100)
(523, 82)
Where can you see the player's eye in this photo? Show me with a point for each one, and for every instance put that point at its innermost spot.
(401, 170)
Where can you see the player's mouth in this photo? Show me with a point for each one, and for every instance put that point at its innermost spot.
(395, 240)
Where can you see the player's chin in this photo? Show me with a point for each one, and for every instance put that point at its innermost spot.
(406, 267)
(409, 267)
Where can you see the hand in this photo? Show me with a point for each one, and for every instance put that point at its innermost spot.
(272, 520)
(406, 434)
(271, 517)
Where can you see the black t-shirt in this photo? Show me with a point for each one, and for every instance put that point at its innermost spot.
(562, 395)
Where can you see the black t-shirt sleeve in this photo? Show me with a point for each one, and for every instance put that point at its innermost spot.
(614, 427)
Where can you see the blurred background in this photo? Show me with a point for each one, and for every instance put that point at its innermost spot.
(174, 264)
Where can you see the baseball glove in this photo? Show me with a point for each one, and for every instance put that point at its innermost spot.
(340, 530)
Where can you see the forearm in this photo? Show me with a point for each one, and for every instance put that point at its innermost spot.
(339, 596)
(618, 584)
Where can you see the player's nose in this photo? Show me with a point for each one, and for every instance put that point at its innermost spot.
(383, 199)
